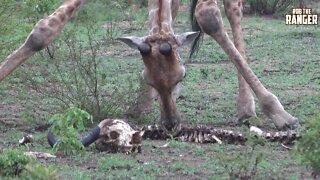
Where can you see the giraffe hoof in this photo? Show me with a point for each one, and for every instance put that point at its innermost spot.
(295, 124)
(169, 131)
(243, 122)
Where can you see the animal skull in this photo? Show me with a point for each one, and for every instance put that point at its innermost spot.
(117, 135)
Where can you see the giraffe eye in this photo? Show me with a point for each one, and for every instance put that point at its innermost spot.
(144, 48)
(165, 49)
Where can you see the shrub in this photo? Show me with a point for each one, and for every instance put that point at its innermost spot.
(39, 172)
(309, 145)
(14, 163)
(72, 71)
(246, 164)
(74, 68)
(67, 126)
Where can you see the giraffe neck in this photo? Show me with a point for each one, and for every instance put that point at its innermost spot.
(160, 16)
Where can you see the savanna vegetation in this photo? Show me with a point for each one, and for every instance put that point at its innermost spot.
(87, 68)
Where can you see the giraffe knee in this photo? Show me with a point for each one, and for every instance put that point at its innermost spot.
(35, 41)
(210, 20)
(233, 9)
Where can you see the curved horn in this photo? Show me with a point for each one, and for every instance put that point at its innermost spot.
(88, 139)
(51, 138)
(91, 137)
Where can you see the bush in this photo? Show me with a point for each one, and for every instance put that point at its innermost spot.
(67, 126)
(246, 164)
(309, 145)
(75, 69)
(39, 172)
(14, 163)
(72, 70)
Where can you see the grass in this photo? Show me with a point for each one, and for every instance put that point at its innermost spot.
(285, 58)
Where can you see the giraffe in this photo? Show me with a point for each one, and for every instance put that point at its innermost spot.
(162, 67)
(206, 18)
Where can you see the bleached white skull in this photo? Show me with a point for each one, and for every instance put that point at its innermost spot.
(117, 135)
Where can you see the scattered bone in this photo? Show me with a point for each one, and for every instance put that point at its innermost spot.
(209, 134)
(26, 139)
(217, 139)
(39, 155)
(162, 146)
(286, 147)
(256, 130)
(165, 145)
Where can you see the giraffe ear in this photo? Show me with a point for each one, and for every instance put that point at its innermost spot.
(132, 41)
(186, 38)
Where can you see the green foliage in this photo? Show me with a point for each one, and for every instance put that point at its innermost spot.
(245, 164)
(37, 9)
(74, 65)
(14, 163)
(309, 145)
(100, 11)
(39, 172)
(67, 126)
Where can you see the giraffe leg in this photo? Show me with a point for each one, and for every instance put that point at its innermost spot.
(144, 103)
(44, 32)
(210, 21)
(245, 99)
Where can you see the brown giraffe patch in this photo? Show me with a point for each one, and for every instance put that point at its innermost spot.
(53, 22)
(77, 3)
(69, 10)
(237, 11)
(61, 16)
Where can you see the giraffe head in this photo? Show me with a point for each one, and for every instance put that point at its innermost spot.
(163, 69)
